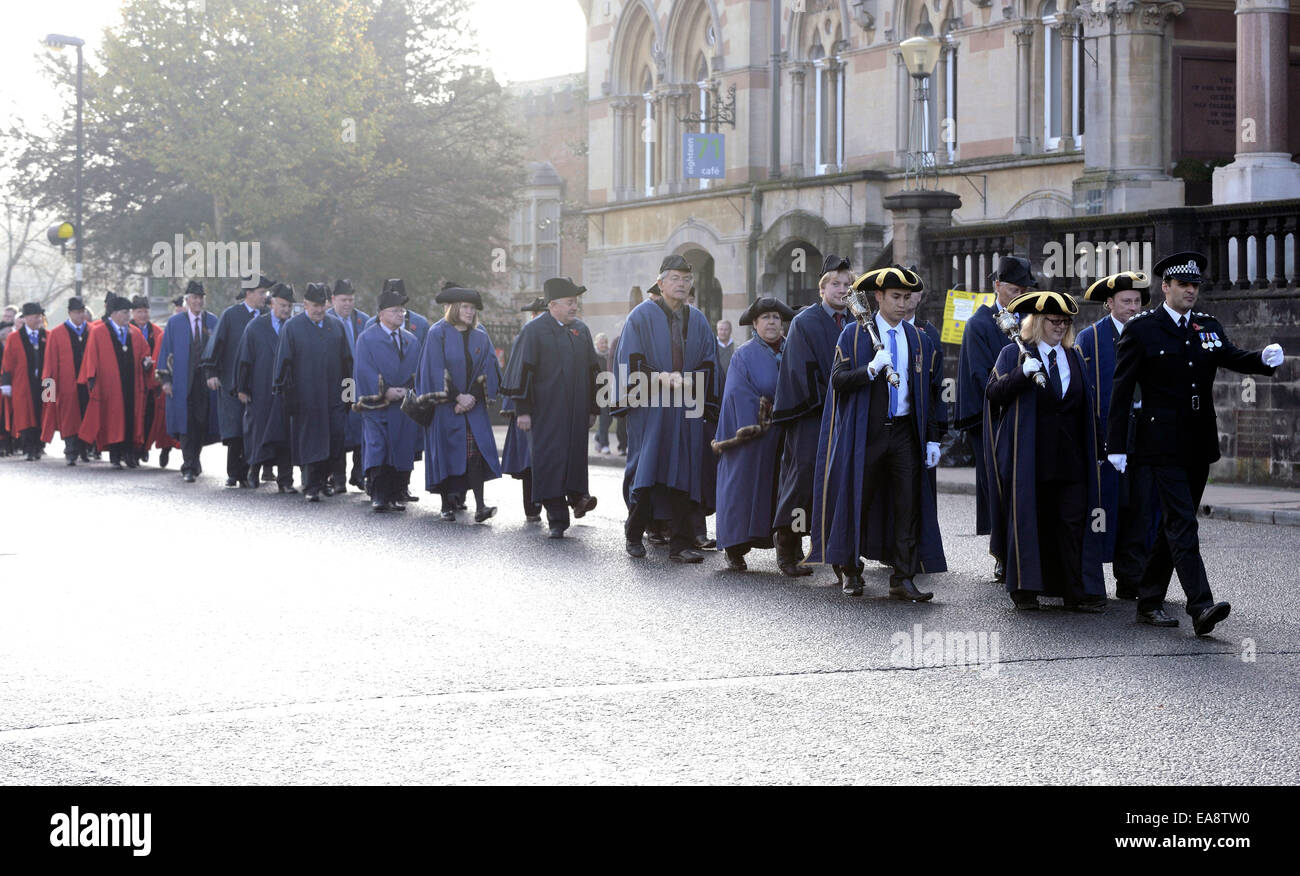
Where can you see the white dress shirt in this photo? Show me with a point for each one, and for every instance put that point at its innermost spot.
(1062, 365)
(884, 328)
(1119, 326)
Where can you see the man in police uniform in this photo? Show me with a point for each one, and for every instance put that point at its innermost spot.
(1172, 353)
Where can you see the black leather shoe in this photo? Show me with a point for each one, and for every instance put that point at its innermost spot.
(461, 506)
(408, 498)
(689, 555)
(327, 490)
(448, 515)
(583, 505)
(1091, 607)
(231, 482)
(144, 457)
(556, 532)
(485, 513)
(533, 518)
(907, 590)
(1125, 590)
(635, 549)
(794, 570)
(1206, 620)
(188, 477)
(1157, 618)
(999, 572)
(853, 585)
(131, 461)
(117, 466)
(248, 484)
(378, 506)
(288, 488)
(1026, 604)
(396, 506)
(705, 544)
(736, 562)
(656, 538)
(313, 497)
(164, 456)
(72, 460)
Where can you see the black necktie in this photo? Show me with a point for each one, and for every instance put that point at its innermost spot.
(675, 330)
(1054, 374)
(397, 342)
(1182, 323)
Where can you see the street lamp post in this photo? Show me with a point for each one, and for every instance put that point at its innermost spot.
(58, 41)
(920, 54)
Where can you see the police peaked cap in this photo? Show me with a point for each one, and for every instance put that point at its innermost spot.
(893, 277)
(1044, 302)
(765, 305)
(1185, 266)
(1122, 282)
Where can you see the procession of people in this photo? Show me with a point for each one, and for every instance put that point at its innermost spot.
(1091, 446)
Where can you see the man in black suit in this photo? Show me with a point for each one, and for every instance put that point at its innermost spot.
(1172, 353)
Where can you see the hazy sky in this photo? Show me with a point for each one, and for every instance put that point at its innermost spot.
(523, 39)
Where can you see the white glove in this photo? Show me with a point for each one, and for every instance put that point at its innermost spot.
(1119, 461)
(1030, 366)
(931, 454)
(1272, 355)
(876, 365)
(6, 390)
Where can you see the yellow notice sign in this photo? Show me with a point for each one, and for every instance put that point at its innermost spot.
(958, 309)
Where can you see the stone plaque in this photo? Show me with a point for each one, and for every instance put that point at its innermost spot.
(1205, 107)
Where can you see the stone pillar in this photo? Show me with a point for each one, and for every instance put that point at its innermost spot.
(914, 213)
(902, 144)
(1024, 36)
(939, 105)
(1065, 27)
(797, 117)
(619, 110)
(1127, 153)
(1262, 169)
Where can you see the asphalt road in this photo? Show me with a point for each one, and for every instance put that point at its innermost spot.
(153, 632)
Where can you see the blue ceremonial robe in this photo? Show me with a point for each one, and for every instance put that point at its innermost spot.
(219, 360)
(388, 437)
(801, 391)
(445, 445)
(551, 376)
(353, 326)
(981, 341)
(1009, 440)
(747, 472)
(844, 528)
(311, 365)
(266, 427)
(174, 363)
(666, 447)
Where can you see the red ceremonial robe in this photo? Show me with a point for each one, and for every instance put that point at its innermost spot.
(158, 435)
(62, 413)
(104, 423)
(23, 409)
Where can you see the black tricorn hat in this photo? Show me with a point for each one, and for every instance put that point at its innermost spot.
(892, 277)
(1122, 282)
(392, 296)
(114, 303)
(194, 287)
(139, 301)
(75, 303)
(453, 294)
(561, 287)
(343, 287)
(1185, 266)
(316, 293)
(833, 264)
(1044, 302)
(31, 308)
(282, 290)
(1017, 271)
(257, 281)
(765, 305)
(537, 305)
(675, 263)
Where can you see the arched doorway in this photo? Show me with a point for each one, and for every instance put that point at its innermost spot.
(708, 291)
(799, 266)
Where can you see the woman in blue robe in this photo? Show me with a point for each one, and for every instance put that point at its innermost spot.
(1041, 446)
(748, 448)
(458, 367)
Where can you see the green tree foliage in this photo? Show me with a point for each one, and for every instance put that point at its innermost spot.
(348, 137)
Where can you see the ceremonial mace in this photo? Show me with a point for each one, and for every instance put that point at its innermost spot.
(1006, 321)
(861, 310)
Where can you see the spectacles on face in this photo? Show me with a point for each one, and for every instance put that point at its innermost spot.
(1058, 321)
